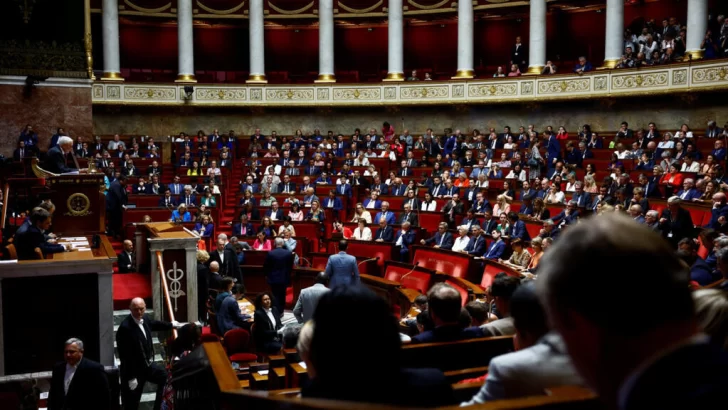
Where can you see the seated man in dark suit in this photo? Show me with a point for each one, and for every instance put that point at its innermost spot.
(31, 236)
(477, 244)
(444, 304)
(56, 157)
(168, 200)
(404, 239)
(127, 260)
(385, 233)
(442, 238)
(78, 382)
(227, 309)
(660, 332)
(341, 314)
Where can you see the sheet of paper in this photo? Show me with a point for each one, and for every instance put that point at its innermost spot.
(44, 395)
(9, 262)
(263, 372)
(83, 249)
(303, 364)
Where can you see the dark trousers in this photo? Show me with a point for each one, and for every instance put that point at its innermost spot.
(154, 374)
(114, 218)
(279, 296)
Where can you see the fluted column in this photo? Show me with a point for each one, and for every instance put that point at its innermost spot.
(614, 42)
(110, 30)
(697, 27)
(537, 37)
(395, 70)
(326, 42)
(465, 40)
(257, 43)
(186, 57)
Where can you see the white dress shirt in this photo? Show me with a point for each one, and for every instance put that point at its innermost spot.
(140, 323)
(460, 243)
(70, 372)
(272, 319)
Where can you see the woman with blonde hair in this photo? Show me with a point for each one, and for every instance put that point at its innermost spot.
(711, 311)
(537, 245)
(361, 213)
(590, 185)
(502, 206)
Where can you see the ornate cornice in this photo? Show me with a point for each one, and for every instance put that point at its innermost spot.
(673, 79)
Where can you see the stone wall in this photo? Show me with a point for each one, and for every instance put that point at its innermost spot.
(56, 103)
(667, 111)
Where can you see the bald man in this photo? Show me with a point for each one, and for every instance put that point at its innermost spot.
(215, 279)
(720, 209)
(136, 355)
(127, 260)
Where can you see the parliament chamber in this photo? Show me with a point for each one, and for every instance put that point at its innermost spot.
(321, 204)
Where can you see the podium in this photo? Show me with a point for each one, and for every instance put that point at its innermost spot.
(80, 204)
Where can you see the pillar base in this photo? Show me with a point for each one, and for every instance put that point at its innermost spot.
(112, 76)
(186, 78)
(535, 70)
(610, 63)
(394, 77)
(464, 75)
(256, 79)
(325, 78)
(696, 54)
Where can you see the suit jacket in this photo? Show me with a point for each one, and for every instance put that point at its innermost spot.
(391, 217)
(476, 246)
(489, 226)
(456, 210)
(446, 333)
(342, 269)
(172, 201)
(177, 189)
(307, 301)
(229, 316)
(334, 203)
(279, 214)
(407, 239)
(377, 203)
(398, 190)
(229, 267)
(386, 234)
(582, 201)
(519, 53)
(495, 250)
(124, 261)
(265, 331)
(249, 230)
(183, 199)
(29, 237)
(691, 194)
(135, 349)
(383, 188)
(656, 387)
(278, 266)
(518, 230)
(411, 218)
(500, 327)
(445, 241)
(89, 387)
(56, 161)
(680, 228)
(528, 372)
(568, 220)
(721, 210)
(287, 187)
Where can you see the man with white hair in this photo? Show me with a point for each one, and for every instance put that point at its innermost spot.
(56, 158)
(635, 211)
(77, 382)
(688, 193)
(652, 220)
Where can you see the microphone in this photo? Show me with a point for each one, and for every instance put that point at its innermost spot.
(367, 260)
(412, 270)
(307, 262)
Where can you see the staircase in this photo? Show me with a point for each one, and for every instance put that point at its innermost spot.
(229, 201)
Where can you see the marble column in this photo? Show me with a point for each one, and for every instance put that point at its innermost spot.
(257, 44)
(326, 42)
(465, 40)
(696, 29)
(396, 42)
(186, 57)
(614, 41)
(537, 37)
(110, 30)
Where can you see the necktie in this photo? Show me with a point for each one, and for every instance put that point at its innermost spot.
(381, 233)
(442, 238)
(188, 201)
(342, 189)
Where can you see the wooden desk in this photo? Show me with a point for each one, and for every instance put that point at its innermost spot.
(105, 250)
(247, 307)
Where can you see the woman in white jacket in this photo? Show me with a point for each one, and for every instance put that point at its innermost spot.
(362, 232)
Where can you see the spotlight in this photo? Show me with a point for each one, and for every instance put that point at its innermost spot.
(188, 91)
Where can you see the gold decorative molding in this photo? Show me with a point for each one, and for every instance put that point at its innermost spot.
(220, 12)
(325, 78)
(359, 11)
(111, 76)
(146, 10)
(394, 77)
(186, 78)
(290, 12)
(431, 7)
(670, 80)
(464, 75)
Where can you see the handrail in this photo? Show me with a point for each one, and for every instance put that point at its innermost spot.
(167, 300)
(4, 215)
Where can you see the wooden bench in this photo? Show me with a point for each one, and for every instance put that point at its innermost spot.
(461, 354)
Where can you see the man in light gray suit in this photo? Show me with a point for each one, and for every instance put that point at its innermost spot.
(540, 363)
(309, 297)
(342, 268)
(502, 290)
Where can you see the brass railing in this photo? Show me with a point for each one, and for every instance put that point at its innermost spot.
(165, 291)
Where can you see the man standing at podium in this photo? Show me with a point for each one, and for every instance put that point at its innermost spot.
(116, 200)
(56, 157)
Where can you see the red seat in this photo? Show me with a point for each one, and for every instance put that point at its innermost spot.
(236, 343)
(463, 292)
(289, 297)
(128, 286)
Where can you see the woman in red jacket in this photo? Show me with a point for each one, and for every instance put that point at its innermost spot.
(387, 131)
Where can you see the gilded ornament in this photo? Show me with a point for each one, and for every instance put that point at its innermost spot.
(356, 94)
(78, 205)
